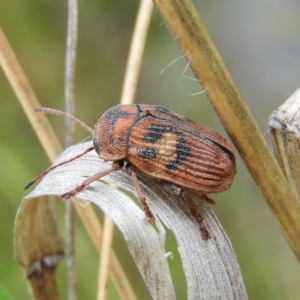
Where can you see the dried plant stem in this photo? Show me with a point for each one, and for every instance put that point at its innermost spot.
(136, 52)
(94, 229)
(28, 99)
(184, 23)
(70, 69)
(284, 125)
(69, 140)
(53, 148)
(105, 258)
(70, 250)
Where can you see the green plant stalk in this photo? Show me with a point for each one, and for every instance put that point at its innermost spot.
(190, 34)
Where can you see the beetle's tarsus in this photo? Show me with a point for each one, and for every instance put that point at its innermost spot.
(147, 210)
(65, 196)
(207, 199)
(204, 232)
(29, 184)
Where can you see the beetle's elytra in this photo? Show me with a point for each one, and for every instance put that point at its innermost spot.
(180, 153)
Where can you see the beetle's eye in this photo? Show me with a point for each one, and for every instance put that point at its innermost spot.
(96, 146)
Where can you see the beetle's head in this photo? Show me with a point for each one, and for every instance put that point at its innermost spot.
(112, 132)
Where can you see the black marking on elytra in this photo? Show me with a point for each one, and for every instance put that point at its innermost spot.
(146, 153)
(205, 138)
(156, 131)
(186, 121)
(183, 152)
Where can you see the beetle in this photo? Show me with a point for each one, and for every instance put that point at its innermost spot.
(181, 154)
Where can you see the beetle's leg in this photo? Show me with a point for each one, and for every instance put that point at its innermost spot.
(117, 165)
(176, 190)
(207, 199)
(58, 165)
(194, 211)
(131, 171)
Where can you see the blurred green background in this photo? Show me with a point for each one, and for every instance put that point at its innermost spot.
(259, 41)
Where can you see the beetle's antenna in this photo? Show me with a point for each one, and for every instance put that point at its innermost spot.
(61, 113)
(54, 167)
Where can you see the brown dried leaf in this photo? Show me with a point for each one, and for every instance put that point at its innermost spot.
(285, 133)
(38, 245)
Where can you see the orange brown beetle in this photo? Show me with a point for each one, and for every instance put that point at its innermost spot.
(180, 153)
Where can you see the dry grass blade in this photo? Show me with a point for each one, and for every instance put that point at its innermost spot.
(105, 258)
(70, 69)
(182, 20)
(136, 52)
(141, 238)
(94, 229)
(210, 266)
(33, 256)
(69, 139)
(27, 98)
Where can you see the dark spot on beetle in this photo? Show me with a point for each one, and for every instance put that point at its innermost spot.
(146, 153)
(114, 114)
(153, 137)
(183, 152)
(155, 132)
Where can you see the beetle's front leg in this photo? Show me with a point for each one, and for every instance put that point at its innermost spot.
(117, 165)
(207, 199)
(131, 171)
(176, 190)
